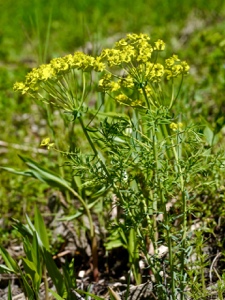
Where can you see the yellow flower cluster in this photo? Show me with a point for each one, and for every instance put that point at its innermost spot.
(175, 67)
(131, 73)
(120, 87)
(107, 83)
(133, 48)
(137, 58)
(116, 57)
(56, 68)
(134, 55)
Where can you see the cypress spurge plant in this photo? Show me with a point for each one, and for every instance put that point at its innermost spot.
(141, 157)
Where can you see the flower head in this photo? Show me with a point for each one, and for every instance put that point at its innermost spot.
(130, 69)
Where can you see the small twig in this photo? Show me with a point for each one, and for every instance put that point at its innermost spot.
(212, 266)
(61, 254)
(9, 276)
(20, 296)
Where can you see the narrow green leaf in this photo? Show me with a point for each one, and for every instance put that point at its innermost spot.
(132, 241)
(24, 173)
(89, 294)
(36, 171)
(31, 262)
(33, 229)
(37, 257)
(208, 133)
(5, 270)
(30, 270)
(36, 252)
(30, 224)
(27, 288)
(54, 273)
(44, 175)
(113, 244)
(123, 236)
(41, 228)
(9, 261)
(27, 248)
(70, 280)
(13, 267)
(57, 297)
(9, 292)
(24, 230)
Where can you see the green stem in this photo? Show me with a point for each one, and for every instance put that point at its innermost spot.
(170, 246)
(175, 152)
(165, 135)
(47, 38)
(184, 220)
(151, 225)
(173, 98)
(146, 97)
(45, 283)
(155, 176)
(93, 237)
(92, 145)
(184, 202)
(92, 233)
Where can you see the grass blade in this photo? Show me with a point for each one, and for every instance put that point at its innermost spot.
(41, 228)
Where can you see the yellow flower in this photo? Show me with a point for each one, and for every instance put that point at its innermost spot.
(98, 65)
(185, 66)
(176, 126)
(105, 82)
(127, 82)
(132, 37)
(121, 43)
(45, 141)
(59, 65)
(138, 103)
(122, 98)
(174, 67)
(171, 61)
(114, 86)
(159, 45)
(46, 72)
(20, 87)
(157, 72)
